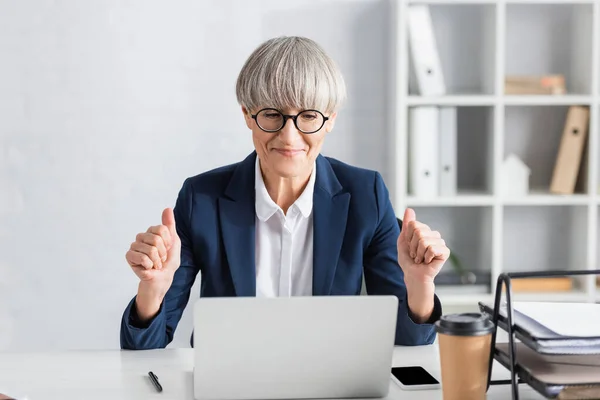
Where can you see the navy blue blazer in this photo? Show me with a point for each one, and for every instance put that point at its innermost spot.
(355, 235)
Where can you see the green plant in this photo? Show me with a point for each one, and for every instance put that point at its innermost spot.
(465, 276)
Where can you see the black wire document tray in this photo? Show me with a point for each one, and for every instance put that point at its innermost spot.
(555, 376)
(558, 366)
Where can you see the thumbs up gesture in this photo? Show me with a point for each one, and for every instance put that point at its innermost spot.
(156, 251)
(421, 251)
(154, 257)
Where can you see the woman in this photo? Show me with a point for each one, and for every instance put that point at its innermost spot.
(285, 221)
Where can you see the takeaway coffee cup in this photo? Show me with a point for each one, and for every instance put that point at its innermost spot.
(464, 345)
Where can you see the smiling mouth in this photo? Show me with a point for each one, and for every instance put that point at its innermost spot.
(288, 152)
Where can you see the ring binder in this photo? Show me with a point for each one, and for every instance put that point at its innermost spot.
(517, 373)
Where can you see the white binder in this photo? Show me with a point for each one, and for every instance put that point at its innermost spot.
(447, 149)
(423, 154)
(424, 51)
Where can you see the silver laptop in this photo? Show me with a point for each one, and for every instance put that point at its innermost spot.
(293, 347)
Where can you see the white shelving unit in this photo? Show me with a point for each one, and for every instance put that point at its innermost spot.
(479, 42)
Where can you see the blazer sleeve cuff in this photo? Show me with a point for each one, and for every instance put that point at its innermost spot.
(136, 334)
(134, 318)
(435, 315)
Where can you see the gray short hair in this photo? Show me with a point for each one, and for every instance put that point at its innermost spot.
(290, 72)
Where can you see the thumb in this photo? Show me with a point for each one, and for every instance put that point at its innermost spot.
(168, 220)
(409, 215)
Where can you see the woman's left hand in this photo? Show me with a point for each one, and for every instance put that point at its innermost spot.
(421, 251)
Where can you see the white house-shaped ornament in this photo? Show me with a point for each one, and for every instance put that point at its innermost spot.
(515, 177)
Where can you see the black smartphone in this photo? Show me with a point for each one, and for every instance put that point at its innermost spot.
(414, 377)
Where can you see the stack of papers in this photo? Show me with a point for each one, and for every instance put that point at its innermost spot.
(560, 344)
(575, 320)
(554, 328)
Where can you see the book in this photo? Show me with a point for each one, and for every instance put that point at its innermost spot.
(550, 284)
(535, 84)
(581, 184)
(570, 151)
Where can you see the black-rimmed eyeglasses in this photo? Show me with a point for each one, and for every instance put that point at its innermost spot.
(273, 120)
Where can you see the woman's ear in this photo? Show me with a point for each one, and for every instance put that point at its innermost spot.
(247, 117)
(330, 122)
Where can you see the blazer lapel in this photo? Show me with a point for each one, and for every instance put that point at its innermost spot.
(237, 219)
(330, 208)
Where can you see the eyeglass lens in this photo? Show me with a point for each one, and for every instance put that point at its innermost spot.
(307, 121)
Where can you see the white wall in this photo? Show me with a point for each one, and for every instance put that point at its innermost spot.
(106, 106)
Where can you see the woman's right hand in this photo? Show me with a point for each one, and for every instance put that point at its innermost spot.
(154, 257)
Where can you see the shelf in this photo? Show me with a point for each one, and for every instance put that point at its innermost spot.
(452, 2)
(572, 296)
(461, 2)
(481, 199)
(509, 100)
(460, 200)
(544, 2)
(546, 100)
(458, 299)
(452, 100)
(479, 43)
(540, 198)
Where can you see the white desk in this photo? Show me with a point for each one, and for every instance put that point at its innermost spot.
(122, 375)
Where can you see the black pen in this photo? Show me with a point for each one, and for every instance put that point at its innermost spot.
(154, 380)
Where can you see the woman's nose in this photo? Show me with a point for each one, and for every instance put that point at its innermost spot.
(289, 133)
